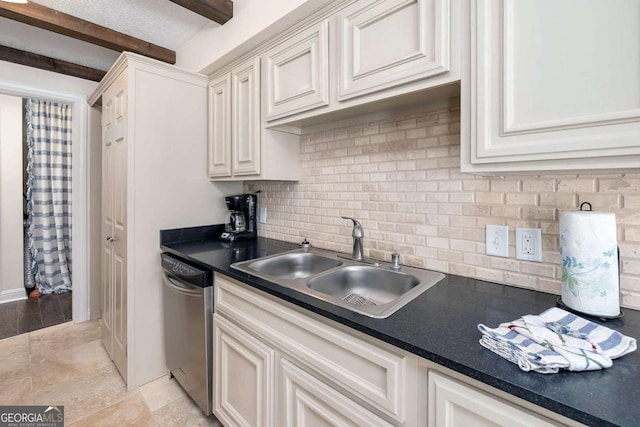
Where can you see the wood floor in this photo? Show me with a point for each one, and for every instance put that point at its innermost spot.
(19, 317)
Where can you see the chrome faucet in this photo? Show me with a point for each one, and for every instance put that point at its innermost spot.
(357, 234)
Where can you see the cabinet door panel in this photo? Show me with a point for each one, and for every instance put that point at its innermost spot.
(245, 102)
(391, 42)
(549, 71)
(554, 86)
(243, 376)
(369, 372)
(308, 402)
(454, 404)
(219, 153)
(297, 77)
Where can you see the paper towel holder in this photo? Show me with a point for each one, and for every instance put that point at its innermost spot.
(586, 203)
(562, 305)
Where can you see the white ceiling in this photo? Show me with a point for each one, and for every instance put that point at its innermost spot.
(160, 22)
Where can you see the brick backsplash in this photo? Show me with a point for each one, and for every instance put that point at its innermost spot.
(401, 178)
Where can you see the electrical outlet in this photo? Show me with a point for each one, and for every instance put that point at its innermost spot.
(497, 240)
(529, 244)
(262, 215)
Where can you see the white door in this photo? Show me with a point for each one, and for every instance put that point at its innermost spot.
(245, 129)
(114, 214)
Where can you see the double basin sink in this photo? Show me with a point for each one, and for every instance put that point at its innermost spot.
(369, 288)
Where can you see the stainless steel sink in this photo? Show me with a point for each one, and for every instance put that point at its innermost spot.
(294, 265)
(364, 285)
(375, 291)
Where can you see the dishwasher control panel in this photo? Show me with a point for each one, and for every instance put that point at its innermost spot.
(181, 269)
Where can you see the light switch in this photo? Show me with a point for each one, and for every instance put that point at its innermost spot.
(497, 240)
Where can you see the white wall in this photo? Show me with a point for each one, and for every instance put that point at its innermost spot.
(94, 170)
(253, 21)
(46, 81)
(11, 236)
(31, 82)
(167, 188)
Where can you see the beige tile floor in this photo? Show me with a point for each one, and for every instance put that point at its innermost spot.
(67, 365)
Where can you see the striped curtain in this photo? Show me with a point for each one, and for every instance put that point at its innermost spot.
(49, 193)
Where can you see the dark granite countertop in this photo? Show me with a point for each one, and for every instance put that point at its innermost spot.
(441, 325)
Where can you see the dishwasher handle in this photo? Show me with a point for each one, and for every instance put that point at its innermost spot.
(180, 286)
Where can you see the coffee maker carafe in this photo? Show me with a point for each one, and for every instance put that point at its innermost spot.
(241, 219)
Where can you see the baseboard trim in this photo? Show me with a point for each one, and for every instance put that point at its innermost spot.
(13, 295)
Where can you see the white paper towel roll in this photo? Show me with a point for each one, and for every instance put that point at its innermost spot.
(589, 251)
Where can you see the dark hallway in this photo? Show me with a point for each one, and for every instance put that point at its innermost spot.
(18, 317)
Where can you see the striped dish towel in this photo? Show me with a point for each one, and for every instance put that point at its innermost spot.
(554, 340)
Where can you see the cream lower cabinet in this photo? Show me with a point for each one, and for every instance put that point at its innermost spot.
(453, 403)
(248, 377)
(244, 373)
(279, 365)
(551, 86)
(324, 375)
(306, 401)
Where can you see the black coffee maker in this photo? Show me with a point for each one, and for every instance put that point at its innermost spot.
(241, 219)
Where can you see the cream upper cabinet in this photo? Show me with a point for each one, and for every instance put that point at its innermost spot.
(386, 43)
(380, 55)
(296, 73)
(551, 86)
(234, 122)
(219, 153)
(240, 148)
(245, 118)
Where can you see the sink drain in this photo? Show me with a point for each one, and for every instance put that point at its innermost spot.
(358, 300)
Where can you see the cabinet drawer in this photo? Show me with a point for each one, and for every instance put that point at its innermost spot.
(307, 402)
(455, 404)
(369, 372)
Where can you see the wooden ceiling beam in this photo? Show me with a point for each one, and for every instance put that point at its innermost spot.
(42, 62)
(219, 11)
(67, 25)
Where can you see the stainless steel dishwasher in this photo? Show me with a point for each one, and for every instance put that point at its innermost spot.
(188, 317)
